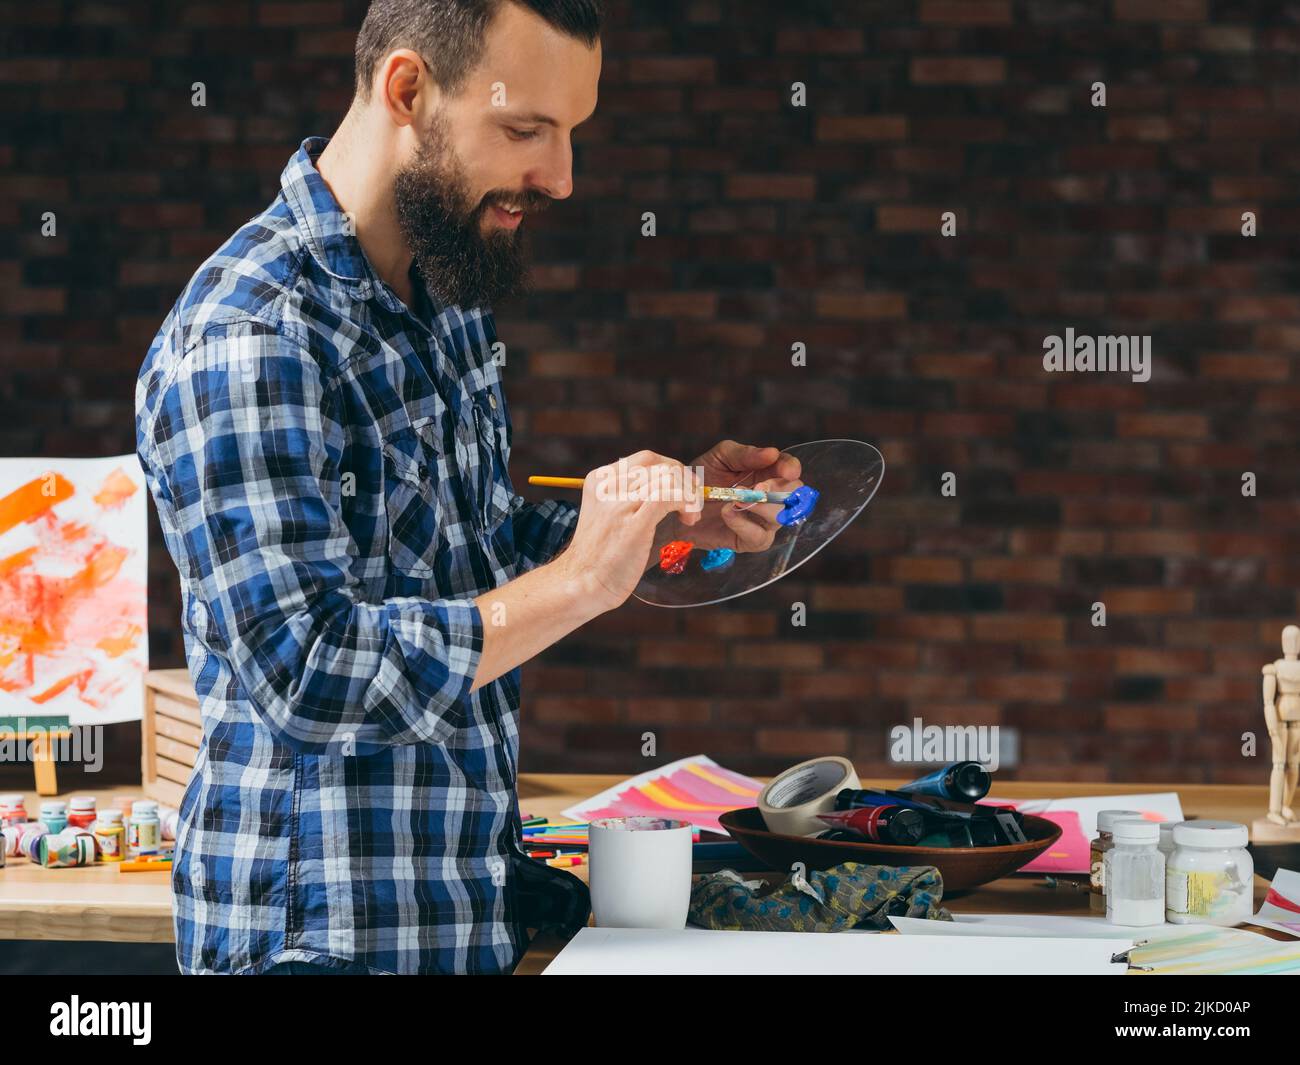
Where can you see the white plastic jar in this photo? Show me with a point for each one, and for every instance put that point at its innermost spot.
(1210, 879)
(1135, 875)
(1101, 843)
(1167, 838)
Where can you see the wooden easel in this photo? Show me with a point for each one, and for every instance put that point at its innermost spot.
(40, 750)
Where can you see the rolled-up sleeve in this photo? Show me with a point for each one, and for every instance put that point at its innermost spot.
(246, 443)
(541, 530)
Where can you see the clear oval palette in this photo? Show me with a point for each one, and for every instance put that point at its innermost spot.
(846, 473)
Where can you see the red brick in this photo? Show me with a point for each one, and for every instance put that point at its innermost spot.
(1026, 627)
(827, 685)
(1161, 10)
(863, 305)
(771, 187)
(921, 570)
(1163, 426)
(672, 304)
(578, 422)
(840, 128)
(967, 12)
(684, 70)
(958, 70)
(1154, 601)
(571, 364)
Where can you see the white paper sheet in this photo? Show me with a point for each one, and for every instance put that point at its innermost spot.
(1031, 925)
(1155, 805)
(703, 952)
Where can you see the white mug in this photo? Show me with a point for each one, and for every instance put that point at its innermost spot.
(640, 872)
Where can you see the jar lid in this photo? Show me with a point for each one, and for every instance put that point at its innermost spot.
(1167, 830)
(1137, 830)
(82, 802)
(111, 817)
(11, 798)
(1211, 834)
(1107, 818)
(53, 804)
(144, 806)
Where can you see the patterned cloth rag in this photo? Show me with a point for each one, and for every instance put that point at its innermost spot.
(850, 895)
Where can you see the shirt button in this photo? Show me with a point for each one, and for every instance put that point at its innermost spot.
(492, 400)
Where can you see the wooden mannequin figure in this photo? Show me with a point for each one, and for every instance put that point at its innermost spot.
(1282, 712)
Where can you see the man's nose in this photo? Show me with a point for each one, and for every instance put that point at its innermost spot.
(555, 177)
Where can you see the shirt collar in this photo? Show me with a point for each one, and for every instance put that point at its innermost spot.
(327, 231)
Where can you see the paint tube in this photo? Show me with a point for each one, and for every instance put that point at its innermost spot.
(855, 798)
(899, 825)
(958, 781)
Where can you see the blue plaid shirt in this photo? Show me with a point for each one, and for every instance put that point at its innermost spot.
(329, 470)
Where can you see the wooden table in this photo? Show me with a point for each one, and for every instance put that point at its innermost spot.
(96, 902)
(101, 903)
(548, 794)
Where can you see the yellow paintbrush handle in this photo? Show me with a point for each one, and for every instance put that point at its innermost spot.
(556, 482)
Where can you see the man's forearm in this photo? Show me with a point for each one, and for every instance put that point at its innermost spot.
(524, 617)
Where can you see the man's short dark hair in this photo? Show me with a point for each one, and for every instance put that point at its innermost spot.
(448, 34)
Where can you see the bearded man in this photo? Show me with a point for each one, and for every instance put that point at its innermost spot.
(322, 426)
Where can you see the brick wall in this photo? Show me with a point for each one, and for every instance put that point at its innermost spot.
(775, 224)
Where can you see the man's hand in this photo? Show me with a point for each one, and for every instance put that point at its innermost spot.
(738, 526)
(622, 506)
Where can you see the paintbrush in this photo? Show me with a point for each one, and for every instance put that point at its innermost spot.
(720, 495)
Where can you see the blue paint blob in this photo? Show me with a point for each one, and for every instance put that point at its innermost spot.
(718, 558)
(798, 506)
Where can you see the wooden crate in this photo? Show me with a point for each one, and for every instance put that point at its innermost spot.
(171, 734)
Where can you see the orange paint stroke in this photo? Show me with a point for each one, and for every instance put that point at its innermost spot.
(116, 489)
(113, 646)
(33, 499)
(58, 687)
(16, 561)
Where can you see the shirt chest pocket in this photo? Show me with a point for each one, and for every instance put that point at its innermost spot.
(411, 500)
(495, 493)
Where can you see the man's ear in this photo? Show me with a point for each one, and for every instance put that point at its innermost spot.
(404, 88)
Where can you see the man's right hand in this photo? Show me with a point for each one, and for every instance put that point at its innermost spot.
(616, 528)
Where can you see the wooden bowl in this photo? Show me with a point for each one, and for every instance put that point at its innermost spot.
(962, 867)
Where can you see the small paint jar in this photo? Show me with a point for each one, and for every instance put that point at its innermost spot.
(1135, 875)
(12, 810)
(81, 812)
(170, 818)
(71, 847)
(1097, 876)
(1211, 877)
(124, 803)
(32, 834)
(144, 832)
(55, 815)
(13, 834)
(110, 836)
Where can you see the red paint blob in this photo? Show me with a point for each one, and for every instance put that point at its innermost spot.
(673, 556)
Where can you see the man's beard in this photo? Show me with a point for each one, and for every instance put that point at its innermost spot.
(444, 229)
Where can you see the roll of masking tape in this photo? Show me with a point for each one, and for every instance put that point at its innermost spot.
(791, 802)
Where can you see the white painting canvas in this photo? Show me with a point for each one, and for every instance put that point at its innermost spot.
(73, 583)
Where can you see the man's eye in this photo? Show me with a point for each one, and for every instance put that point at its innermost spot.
(522, 134)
